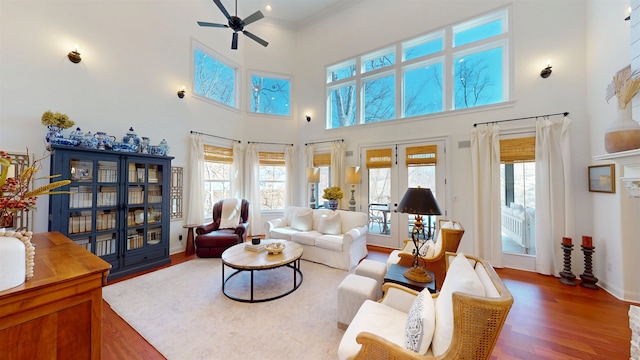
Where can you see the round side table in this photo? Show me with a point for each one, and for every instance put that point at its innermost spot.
(191, 249)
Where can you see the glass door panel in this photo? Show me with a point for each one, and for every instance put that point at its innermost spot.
(81, 170)
(106, 220)
(154, 235)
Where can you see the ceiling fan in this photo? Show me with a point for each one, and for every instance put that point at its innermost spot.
(236, 24)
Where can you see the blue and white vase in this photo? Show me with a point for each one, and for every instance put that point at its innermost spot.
(333, 204)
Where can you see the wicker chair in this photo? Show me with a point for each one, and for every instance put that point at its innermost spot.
(437, 263)
(477, 324)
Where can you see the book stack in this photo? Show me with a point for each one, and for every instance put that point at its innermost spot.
(252, 247)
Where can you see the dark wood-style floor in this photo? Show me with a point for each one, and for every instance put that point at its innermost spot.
(548, 320)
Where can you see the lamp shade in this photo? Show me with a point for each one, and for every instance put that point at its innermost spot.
(313, 175)
(353, 175)
(419, 201)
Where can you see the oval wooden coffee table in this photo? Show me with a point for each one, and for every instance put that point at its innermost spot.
(241, 259)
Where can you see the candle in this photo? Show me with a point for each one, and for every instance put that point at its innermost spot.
(587, 241)
(566, 241)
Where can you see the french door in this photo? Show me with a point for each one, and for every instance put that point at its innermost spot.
(389, 170)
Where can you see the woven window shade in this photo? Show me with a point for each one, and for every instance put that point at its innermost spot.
(271, 158)
(517, 150)
(321, 160)
(378, 158)
(422, 155)
(218, 154)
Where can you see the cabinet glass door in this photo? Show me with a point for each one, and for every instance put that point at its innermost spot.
(144, 205)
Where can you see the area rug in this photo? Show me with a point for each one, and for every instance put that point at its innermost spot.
(183, 313)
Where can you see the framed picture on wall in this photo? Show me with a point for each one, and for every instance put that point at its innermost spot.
(602, 178)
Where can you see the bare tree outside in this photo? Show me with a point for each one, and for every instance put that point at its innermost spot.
(213, 79)
(217, 184)
(270, 95)
(475, 79)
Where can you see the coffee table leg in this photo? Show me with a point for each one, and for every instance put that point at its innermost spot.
(251, 285)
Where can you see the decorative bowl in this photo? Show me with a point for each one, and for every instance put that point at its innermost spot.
(64, 141)
(274, 248)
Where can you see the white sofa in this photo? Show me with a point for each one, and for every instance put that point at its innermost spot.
(334, 238)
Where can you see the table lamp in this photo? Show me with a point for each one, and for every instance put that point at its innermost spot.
(418, 201)
(353, 178)
(313, 176)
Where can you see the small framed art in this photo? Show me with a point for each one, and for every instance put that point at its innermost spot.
(602, 178)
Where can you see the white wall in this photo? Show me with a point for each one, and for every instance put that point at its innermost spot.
(137, 54)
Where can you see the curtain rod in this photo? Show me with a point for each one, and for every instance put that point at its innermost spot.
(216, 136)
(320, 142)
(269, 143)
(522, 118)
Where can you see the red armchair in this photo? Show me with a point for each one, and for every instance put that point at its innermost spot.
(211, 241)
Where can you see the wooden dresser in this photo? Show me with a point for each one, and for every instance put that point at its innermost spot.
(58, 313)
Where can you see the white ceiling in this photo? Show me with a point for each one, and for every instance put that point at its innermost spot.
(296, 13)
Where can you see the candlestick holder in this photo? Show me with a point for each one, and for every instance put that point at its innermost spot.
(588, 280)
(566, 276)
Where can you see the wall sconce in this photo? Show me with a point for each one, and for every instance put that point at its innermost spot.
(308, 117)
(181, 93)
(74, 56)
(629, 14)
(546, 72)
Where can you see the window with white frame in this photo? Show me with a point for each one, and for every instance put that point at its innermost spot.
(270, 94)
(464, 65)
(214, 78)
(322, 161)
(272, 180)
(218, 166)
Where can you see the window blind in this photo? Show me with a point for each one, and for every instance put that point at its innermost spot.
(421, 155)
(321, 160)
(218, 154)
(517, 150)
(378, 158)
(271, 158)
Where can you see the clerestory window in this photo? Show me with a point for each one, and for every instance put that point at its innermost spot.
(463, 65)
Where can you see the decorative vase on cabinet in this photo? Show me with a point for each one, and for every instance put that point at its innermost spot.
(623, 133)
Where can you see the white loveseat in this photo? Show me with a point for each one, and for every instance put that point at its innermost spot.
(334, 238)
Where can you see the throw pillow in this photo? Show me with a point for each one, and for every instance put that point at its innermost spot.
(303, 220)
(230, 214)
(330, 224)
(461, 277)
(420, 323)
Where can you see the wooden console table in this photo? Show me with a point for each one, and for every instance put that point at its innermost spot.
(57, 313)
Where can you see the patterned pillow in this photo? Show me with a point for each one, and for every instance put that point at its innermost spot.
(420, 323)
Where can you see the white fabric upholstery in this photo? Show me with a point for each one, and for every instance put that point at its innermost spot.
(330, 224)
(460, 277)
(421, 323)
(352, 292)
(375, 318)
(342, 250)
(489, 288)
(303, 220)
(230, 214)
(375, 270)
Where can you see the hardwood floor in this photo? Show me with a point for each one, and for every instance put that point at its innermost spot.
(548, 320)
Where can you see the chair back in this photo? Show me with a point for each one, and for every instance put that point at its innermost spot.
(244, 211)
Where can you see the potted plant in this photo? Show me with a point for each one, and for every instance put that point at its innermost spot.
(333, 194)
(623, 133)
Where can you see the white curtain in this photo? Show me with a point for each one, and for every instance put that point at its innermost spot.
(485, 159)
(195, 209)
(236, 175)
(252, 188)
(337, 167)
(290, 181)
(554, 195)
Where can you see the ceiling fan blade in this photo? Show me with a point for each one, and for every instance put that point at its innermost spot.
(202, 23)
(234, 41)
(221, 7)
(257, 39)
(253, 17)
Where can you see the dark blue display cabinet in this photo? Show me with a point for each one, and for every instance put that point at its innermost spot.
(119, 206)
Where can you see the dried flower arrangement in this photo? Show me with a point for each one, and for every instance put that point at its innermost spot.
(14, 191)
(625, 85)
(333, 193)
(60, 120)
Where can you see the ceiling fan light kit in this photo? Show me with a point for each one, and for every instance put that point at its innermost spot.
(237, 25)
